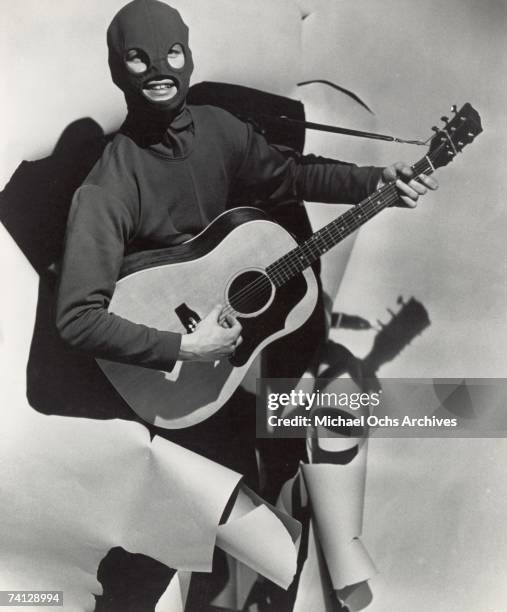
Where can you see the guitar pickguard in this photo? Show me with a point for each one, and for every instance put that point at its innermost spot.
(256, 329)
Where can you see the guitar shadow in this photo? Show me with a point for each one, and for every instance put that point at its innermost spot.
(390, 340)
(410, 321)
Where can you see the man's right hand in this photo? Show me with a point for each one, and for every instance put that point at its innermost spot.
(215, 337)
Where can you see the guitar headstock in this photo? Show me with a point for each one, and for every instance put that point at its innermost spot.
(454, 136)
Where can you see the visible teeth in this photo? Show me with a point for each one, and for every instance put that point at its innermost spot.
(162, 90)
(166, 85)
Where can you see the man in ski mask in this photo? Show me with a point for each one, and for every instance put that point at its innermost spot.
(151, 62)
(167, 174)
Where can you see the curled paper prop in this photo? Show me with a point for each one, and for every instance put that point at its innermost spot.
(333, 484)
(261, 537)
(337, 506)
(336, 560)
(73, 490)
(315, 591)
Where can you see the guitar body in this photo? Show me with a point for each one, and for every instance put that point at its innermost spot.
(172, 289)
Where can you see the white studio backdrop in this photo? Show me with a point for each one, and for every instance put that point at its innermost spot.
(434, 509)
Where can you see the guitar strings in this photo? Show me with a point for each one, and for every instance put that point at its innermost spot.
(283, 266)
(284, 270)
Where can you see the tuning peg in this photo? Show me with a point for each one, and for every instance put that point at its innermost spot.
(454, 108)
(444, 119)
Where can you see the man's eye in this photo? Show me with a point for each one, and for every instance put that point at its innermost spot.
(176, 57)
(136, 61)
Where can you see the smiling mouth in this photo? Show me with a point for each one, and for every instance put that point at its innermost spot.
(160, 90)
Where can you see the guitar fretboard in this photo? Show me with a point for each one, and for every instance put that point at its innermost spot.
(304, 255)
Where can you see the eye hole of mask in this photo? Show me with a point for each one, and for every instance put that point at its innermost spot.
(176, 57)
(137, 61)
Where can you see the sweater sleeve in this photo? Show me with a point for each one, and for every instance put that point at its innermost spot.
(276, 173)
(98, 230)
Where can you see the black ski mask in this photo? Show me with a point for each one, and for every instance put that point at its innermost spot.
(150, 59)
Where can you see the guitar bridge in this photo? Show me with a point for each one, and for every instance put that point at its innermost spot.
(188, 318)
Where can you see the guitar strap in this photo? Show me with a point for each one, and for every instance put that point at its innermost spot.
(280, 119)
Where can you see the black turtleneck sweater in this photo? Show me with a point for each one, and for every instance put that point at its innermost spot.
(142, 195)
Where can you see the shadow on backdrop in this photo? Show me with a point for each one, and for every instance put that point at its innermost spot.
(34, 207)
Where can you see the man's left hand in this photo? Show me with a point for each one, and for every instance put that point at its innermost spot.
(409, 188)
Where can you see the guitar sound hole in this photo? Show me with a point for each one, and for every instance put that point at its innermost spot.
(249, 292)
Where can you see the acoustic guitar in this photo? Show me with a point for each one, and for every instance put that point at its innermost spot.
(258, 271)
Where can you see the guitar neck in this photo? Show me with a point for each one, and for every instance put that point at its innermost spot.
(304, 255)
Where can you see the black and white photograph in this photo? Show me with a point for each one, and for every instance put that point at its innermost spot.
(253, 333)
